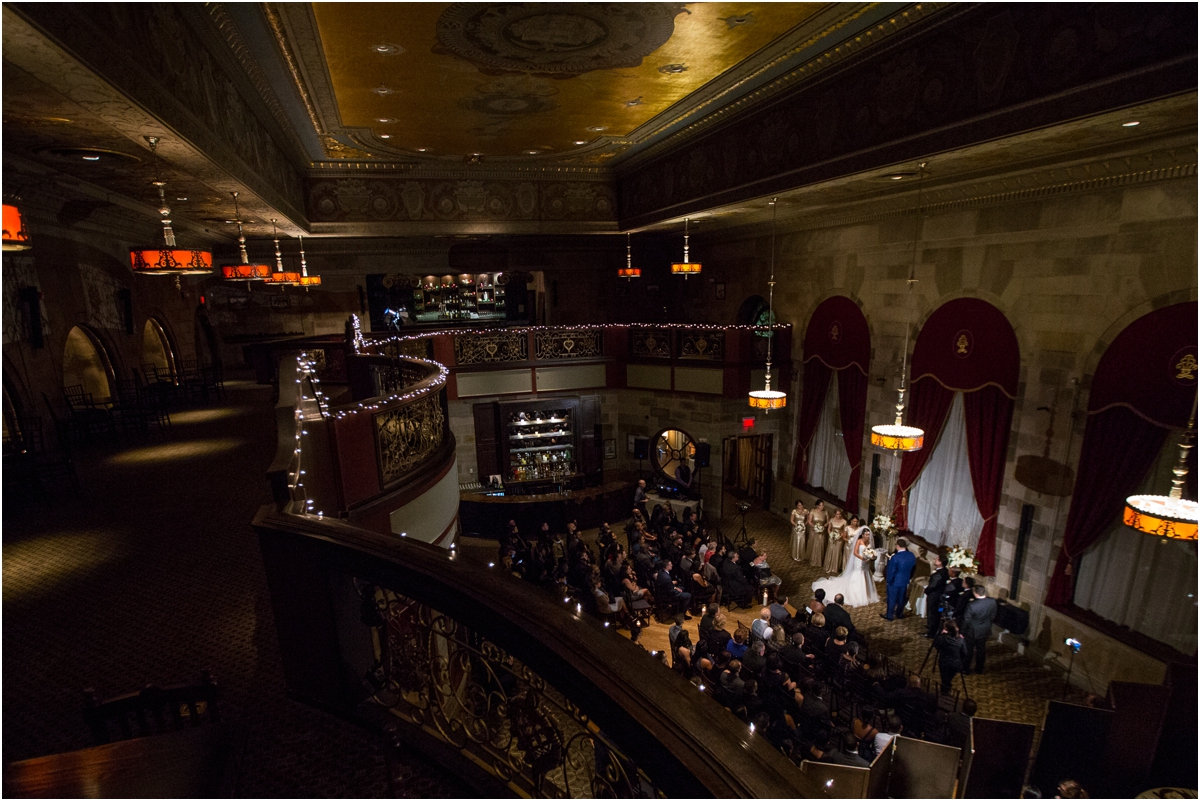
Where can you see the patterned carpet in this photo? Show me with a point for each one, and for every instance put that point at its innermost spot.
(153, 574)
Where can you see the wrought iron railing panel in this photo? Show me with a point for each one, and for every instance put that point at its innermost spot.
(500, 346)
(406, 435)
(434, 672)
(650, 343)
(578, 344)
(707, 345)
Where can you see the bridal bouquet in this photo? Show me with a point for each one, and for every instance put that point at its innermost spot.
(869, 553)
(962, 557)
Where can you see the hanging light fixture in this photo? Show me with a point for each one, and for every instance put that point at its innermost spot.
(898, 437)
(281, 277)
(687, 266)
(629, 271)
(168, 260)
(1170, 516)
(244, 270)
(766, 398)
(306, 280)
(15, 235)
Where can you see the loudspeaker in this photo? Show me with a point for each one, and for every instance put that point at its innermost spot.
(641, 448)
(703, 454)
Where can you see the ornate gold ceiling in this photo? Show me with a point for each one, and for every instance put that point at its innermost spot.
(530, 79)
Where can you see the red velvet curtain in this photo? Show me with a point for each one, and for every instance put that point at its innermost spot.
(928, 407)
(1119, 447)
(988, 413)
(852, 396)
(812, 399)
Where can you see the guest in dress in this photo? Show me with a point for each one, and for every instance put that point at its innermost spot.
(799, 541)
(835, 549)
(818, 523)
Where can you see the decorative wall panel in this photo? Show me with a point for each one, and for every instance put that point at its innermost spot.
(490, 348)
(650, 343)
(702, 345)
(569, 344)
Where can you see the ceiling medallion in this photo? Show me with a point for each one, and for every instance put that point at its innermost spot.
(558, 38)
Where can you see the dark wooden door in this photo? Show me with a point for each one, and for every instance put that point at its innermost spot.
(487, 458)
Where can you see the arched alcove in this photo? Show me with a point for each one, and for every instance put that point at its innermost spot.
(86, 364)
(157, 350)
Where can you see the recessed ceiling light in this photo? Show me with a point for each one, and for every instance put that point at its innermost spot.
(422, 149)
(597, 128)
(382, 90)
(90, 158)
(581, 141)
(385, 120)
(385, 136)
(532, 152)
(896, 177)
(672, 69)
(637, 101)
(181, 198)
(1130, 124)
(387, 49)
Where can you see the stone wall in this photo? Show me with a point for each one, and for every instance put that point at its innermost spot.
(1069, 272)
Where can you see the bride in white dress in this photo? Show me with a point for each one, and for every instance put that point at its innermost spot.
(855, 581)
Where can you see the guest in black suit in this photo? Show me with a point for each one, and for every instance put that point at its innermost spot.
(733, 582)
(667, 592)
(933, 597)
(977, 627)
(836, 615)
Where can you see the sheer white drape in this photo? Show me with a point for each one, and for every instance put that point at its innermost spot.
(1143, 582)
(941, 505)
(828, 465)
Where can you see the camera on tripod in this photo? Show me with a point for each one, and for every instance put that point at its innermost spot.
(1073, 644)
(743, 507)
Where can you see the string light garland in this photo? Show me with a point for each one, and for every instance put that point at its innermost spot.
(243, 270)
(1169, 516)
(687, 266)
(170, 259)
(629, 271)
(766, 398)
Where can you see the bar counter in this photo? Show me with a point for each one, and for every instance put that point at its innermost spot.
(483, 515)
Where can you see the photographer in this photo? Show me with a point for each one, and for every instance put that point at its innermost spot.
(952, 653)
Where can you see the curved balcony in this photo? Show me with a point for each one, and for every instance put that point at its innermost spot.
(518, 694)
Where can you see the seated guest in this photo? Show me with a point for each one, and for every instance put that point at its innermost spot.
(605, 536)
(735, 590)
(778, 640)
(814, 712)
(712, 580)
(731, 682)
(667, 591)
(750, 704)
(614, 607)
(755, 658)
(736, 645)
(914, 706)
(630, 587)
(761, 629)
(843, 750)
(673, 632)
(793, 656)
(817, 603)
(717, 635)
(706, 622)
(682, 653)
(836, 615)
(780, 615)
(658, 517)
(816, 634)
(837, 644)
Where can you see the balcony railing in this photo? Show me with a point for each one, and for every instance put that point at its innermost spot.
(514, 691)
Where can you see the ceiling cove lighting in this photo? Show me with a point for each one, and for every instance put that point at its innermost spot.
(15, 235)
(281, 277)
(687, 266)
(1169, 516)
(629, 271)
(243, 270)
(168, 260)
(767, 398)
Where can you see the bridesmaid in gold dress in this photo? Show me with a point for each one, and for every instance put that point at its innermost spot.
(835, 548)
(799, 538)
(818, 522)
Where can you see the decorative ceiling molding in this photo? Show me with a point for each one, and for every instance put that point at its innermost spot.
(973, 74)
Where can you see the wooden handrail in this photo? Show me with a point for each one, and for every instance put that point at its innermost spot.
(688, 744)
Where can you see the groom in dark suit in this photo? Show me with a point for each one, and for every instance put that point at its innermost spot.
(933, 597)
(977, 626)
(899, 573)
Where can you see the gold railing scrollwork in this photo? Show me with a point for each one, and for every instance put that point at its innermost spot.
(436, 673)
(577, 344)
(709, 345)
(407, 434)
(500, 346)
(650, 343)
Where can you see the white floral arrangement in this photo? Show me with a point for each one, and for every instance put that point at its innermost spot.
(869, 553)
(882, 524)
(818, 528)
(962, 558)
(834, 535)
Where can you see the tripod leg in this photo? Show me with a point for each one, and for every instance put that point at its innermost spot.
(925, 661)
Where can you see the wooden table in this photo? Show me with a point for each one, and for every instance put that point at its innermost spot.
(197, 762)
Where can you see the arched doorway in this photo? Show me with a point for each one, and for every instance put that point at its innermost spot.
(86, 364)
(157, 350)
